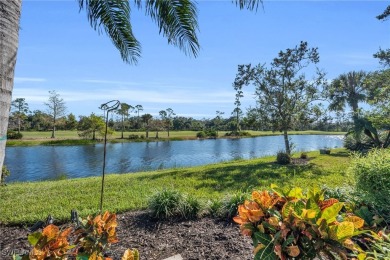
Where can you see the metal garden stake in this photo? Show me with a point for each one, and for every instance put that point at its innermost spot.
(106, 107)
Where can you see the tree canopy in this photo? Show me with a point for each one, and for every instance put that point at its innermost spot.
(283, 93)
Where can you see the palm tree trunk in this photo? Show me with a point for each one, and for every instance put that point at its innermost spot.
(9, 41)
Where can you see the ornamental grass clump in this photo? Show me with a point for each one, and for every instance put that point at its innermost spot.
(292, 225)
(165, 204)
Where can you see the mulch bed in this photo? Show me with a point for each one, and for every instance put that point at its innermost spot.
(204, 238)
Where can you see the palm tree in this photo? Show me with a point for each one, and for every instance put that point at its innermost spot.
(176, 19)
(123, 111)
(138, 108)
(348, 89)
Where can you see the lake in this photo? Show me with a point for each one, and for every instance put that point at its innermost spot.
(37, 163)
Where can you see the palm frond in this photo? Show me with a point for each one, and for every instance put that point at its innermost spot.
(248, 4)
(114, 17)
(177, 21)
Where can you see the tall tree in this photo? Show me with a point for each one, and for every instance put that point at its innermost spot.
(138, 108)
(146, 118)
(177, 21)
(70, 122)
(20, 110)
(282, 91)
(39, 120)
(384, 55)
(218, 120)
(237, 112)
(348, 89)
(123, 111)
(56, 108)
(166, 118)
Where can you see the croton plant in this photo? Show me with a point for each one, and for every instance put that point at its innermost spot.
(292, 225)
(94, 236)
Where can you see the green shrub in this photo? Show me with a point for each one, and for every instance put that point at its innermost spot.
(14, 135)
(356, 204)
(133, 137)
(303, 155)
(165, 204)
(283, 158)
(201, 134)
(235, 133)
(189, 207)
(4, 174)
(372, 176)
(212, 133)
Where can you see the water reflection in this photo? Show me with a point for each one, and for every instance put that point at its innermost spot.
(54, 162)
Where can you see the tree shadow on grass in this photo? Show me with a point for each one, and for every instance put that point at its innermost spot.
(340, 154)
(241, 176)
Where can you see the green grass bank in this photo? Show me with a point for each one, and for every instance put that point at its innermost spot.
(25, 203)
(71, 137)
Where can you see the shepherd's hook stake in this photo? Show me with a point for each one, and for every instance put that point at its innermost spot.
(109, 106)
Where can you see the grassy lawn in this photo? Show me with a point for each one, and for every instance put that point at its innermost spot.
(72, 138)
(28, 202)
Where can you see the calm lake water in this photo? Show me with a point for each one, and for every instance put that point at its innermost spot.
(53, 162)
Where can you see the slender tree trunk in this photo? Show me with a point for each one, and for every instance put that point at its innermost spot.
(286, 142)
(123, 126)
(9, 40)
(53, 132)
(18, 125)
(168, 131)
(93, 135)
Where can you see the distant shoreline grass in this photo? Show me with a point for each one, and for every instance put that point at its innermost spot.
(26, 203)
(72, 138)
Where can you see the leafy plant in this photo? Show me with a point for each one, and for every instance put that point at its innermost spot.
(372, 175)
(96, 234)
(51, 243)
(291, 225)
(283, 158)
(380, 249)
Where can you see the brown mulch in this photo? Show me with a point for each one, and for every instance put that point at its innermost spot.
(204, 238)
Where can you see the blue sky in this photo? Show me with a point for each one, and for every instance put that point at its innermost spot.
(58, 50)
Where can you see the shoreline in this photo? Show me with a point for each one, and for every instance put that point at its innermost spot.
(63, 141)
